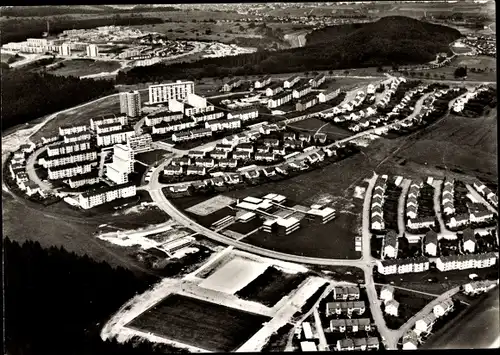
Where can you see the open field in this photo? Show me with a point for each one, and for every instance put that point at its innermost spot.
(271, 286)
(211, 205)
(151, 157)
(81, 67)
(199, 323)
(234, 275)
(78, 116)
(313, 125)
(449, 70)
(6, 57)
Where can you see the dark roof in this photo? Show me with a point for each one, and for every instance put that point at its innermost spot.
(467, 257)
(468, 234)
(280, 95)
(377, 218)
(431, 237)
(391, 239)
(423, 219)
(417, 260)
(462, 217)
(309, 97)
(105, 189)
(123, 130)
(57, 157)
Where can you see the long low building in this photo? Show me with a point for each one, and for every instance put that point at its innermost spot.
(106, 119)
(100, 196)
(177, 244)
(468, 261)
(117, 137)
(164, 116)
(402, 266)
(70, 170)
(90, 178)
(80, 156)
(61, 148)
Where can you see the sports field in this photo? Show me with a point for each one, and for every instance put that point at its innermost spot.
(198, 323)
(211, 205)
(234, 275)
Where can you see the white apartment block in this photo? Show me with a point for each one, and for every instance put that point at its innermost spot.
(165, 92)
(117, 137)
(65, 49)
(231, 84)
(66, 130)
(164, 128)
(70, 170)
(70, 158)
(402, 266)
(98, 197)
(140, 144)
(106, 119)
(303, 90)
(92, 50)
(244, 115)
(130, 103)
(62, 148)
(207, 116)
(85, 179)
(164, 116)
(219, 125)
(291, 81)
(108, 127)
(122, 165)
(262, 82)
(77, 137)
(464, 262)
(279, 99)
(190, 110)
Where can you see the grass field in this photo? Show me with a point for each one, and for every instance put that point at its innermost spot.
(151, 157)
(211, 205)
(6, 57)
(449, 70)
(81, 67)
(198, 323)
(410, 303)
(313, 125)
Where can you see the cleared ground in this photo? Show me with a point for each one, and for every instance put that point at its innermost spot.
(313, 125)
(151, 157)
(198, 323)
(211, 205)
(81, 67)
(234, 275)
(448, 71)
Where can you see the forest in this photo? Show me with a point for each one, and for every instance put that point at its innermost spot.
(27, 95)
(40, 11)
(389, 41)
(57, 302)
(17, 29)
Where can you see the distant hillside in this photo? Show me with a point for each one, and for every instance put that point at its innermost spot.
(391, 40)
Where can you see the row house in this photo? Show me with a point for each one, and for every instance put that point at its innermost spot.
(278, 150)
(328, 95)
(65, 159)
(165, 127)
(370, 343)
(318, 80)
(244, 114)
(77, 137)
(350, 325)
(422, 222)
(47, 140)
(194, 134)
(27, 148)
(219, 125)
(431, 243)
(196, 154)
(345, 307)
(173, 170)
(164, 116)
(267, 129)
(15, 169)
(391, 307)
(377, 201)
(271, 142)
(269, 157)
(223, 147)
(293, 144)
(262, 82)
(481, 216)
(274, 89)
(228, 163)
(245, 147)
(269, 172)
(464, 262)
(232, 84)
(377, 223)
(387, 293)
(112, 138)
(181, 161)
(205, 162)
(208, 116)
(108, 127)
(252, 174)
(291, 81)
(66, 130)
(240, 155)
(280, 99)
(233, 179)
(301, 91)
(425, 324)
(476, 287)
(410, 341)
(61, 148)
(106, 194)
(390, 245)
(346, 293)
(443, 308)
(402, 266)
(106, 119)
(196, 170)
(219, 154)
(306, 102)
(69, 170)
(190, 110)
(458, 221)
(288, 135)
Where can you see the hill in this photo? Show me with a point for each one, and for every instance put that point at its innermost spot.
(391, 40)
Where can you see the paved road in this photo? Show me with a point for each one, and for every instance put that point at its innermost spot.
(480, 198)
(443, 231)
(30, 169)
(405, 185)
(323, 344)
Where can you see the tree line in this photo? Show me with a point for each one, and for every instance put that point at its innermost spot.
(57, 302)
(28, 95)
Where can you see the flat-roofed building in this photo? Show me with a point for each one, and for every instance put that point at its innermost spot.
(130, 103)
(323, 215)
(177, 244)
(102, 195)
(168, 91)
(77, 137)
(90, 178)
(65, 130)
(464, 262)
(163, 116)
(64, 159)
(106, 119)
(117, 137)
(69, 170)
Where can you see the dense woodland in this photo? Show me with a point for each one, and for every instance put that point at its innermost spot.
(391, 40)
(40, 11)
(57, 302)
(17, 29)
(27, 96)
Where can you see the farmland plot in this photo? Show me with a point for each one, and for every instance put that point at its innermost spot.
(199, 323)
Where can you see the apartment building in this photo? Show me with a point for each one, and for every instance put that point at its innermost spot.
(108, 127)
(106, 194)
(318, 80)
(172, 170)
(62, 148)
(345, 307)
(194, 134)
(262, 82)
(117, 137)
(164, 127)
(69, 170)
(208, 116)
(106, 119)
(306, 102)
(170, 91)
(90, 178)
(140, 144)
(122, 165)
(228, 163)
(402, 266)
(163, 116)
(274, 89)
(232, 84)
(279, 99)
(464, 262)
(65, 159)
(328, 95)
(301, 91)
(92, 50)
(244, 114)
(346, 293)
(66, 130)
(130, 103)
(205, 162)
(291, 81)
